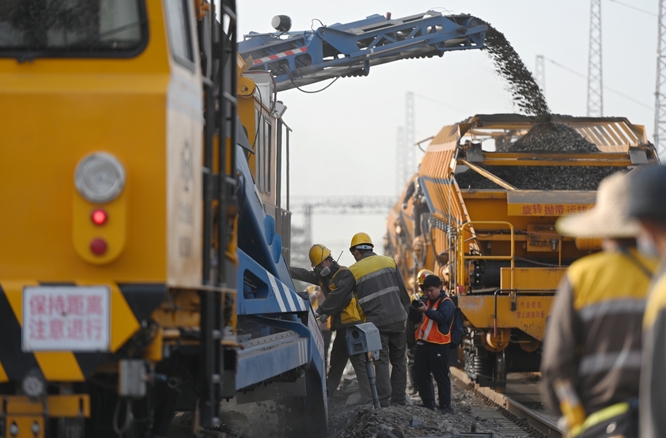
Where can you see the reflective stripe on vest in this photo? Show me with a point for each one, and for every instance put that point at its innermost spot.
(426, 332)
(600, 416)
(368, 269)
(613, 307)
(378, 294)
(604, 362)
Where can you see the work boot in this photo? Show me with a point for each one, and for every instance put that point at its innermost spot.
(447, 410)
(404, 402)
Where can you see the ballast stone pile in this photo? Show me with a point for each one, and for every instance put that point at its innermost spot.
(411, 421)
(547, 137)
(400, 421)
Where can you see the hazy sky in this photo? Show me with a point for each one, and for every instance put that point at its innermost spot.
(344, 138)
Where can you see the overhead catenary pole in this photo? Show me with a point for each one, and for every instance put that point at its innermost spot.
(307, 211)
(405, 158)
(595, 101)
(540, 73)
(400, 146)
(410, 137)
(660, 97)
(341, 205)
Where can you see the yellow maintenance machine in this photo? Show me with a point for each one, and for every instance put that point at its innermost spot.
(141, 266)
(493, 187)
(145, 226)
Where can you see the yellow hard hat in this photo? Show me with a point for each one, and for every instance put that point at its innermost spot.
(361, 241)
(318, 253)
(423, 273)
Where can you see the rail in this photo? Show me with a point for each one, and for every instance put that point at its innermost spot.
(534, 419)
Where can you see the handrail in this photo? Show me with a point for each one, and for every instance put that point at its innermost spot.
(461, 251)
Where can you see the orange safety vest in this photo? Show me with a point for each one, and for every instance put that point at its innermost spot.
(426, 332)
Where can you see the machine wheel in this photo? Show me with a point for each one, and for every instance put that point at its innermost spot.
(499, 374)
(476, 361)
(484, 367)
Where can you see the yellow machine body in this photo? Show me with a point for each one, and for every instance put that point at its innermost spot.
(143, 257)
(146, 111)
(499, 246)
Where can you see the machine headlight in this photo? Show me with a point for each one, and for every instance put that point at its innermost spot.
(99, 177)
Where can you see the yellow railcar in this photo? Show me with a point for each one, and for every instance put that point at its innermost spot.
(137, 276)
(494, 186)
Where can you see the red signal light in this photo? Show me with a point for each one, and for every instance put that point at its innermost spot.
(98, 246)
(99, 216)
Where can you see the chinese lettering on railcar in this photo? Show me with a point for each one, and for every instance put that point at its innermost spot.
(530, 309)
(66, 318)
(545, 209)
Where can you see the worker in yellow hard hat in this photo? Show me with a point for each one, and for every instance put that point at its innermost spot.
(337, 284)
(383, 297)
(420, 277)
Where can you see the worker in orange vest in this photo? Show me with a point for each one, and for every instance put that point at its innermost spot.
(433, 316)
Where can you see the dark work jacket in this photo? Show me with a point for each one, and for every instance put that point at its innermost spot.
(381, 289)
(338, 289)
(443, 316)
(594, 333)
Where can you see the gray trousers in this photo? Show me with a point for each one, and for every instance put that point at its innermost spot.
(338, 361)
(391, 386)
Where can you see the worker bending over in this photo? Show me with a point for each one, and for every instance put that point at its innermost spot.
(337, 283)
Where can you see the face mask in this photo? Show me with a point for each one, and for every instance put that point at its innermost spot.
(646, 246)
(324, 272)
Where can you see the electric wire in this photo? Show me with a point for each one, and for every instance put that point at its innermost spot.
(129, 418)
(259, 122)
(312, 24)
(634, 8)
(291, 78)
(572, 71)
(429, 99)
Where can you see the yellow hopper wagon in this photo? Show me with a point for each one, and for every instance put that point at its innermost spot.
(494, 186)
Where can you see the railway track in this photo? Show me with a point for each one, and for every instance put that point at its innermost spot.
(480, 412)
(520, 412)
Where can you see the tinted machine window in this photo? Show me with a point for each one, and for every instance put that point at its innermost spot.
(72, 28)
(179, 31)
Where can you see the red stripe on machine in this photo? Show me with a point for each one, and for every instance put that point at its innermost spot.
(280, 55)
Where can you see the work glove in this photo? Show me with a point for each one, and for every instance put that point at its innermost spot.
(322, 317)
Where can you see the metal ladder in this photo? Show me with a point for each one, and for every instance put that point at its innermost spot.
(218, 271)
